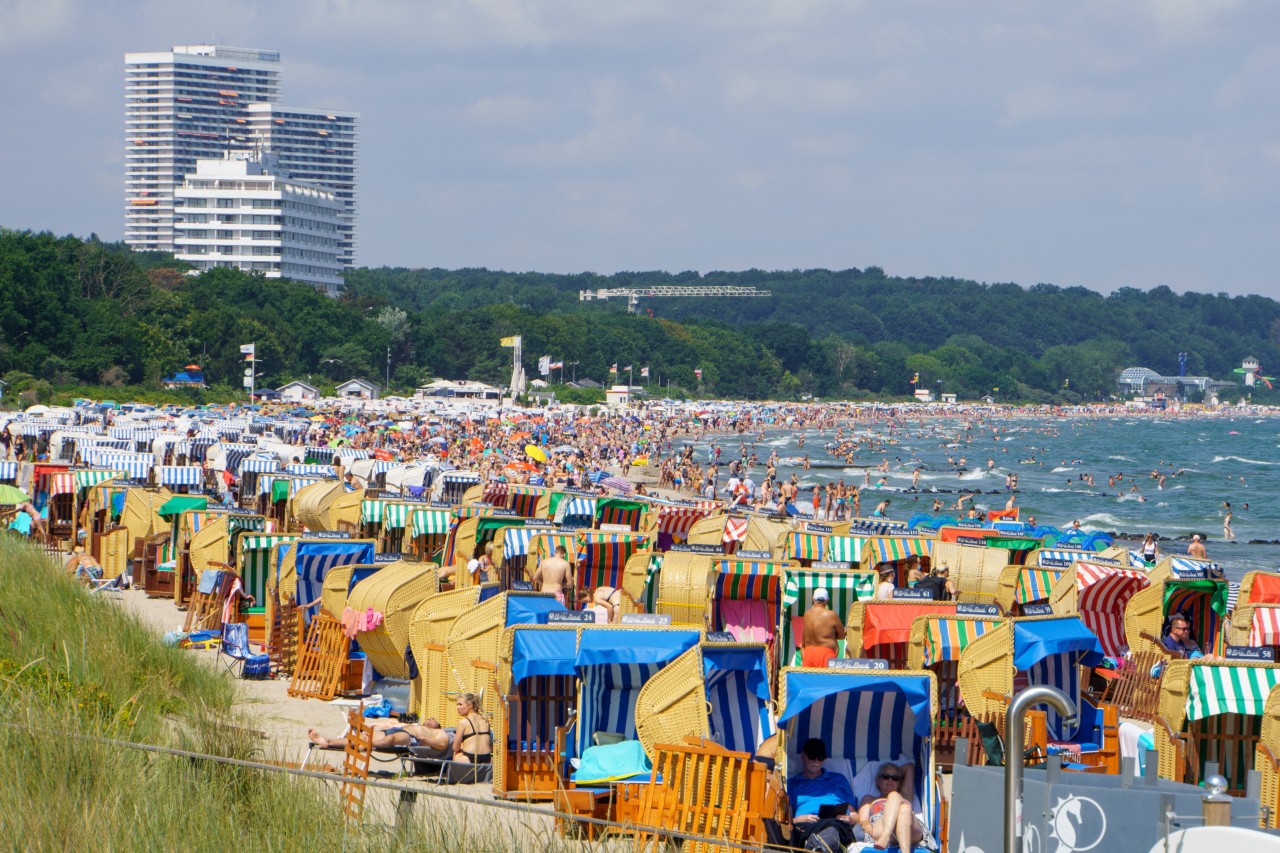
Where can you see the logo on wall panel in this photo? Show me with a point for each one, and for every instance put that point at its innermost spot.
(1077, 824)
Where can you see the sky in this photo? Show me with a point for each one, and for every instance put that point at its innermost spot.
(1127, 143)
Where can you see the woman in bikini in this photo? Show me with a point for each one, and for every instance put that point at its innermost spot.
(473, 739)
(889, 816)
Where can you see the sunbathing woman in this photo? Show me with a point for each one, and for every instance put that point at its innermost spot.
(387, 735)
(473, 739)
(889, 816)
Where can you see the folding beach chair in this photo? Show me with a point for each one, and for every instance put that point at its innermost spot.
(235, 650)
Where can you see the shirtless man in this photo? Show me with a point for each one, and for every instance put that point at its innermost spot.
(1196, 548)
(550, 574)
(822, 631)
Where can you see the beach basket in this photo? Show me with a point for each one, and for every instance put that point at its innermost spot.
(974, 569)
(428, 631)
(1212, 710)
(1203, 600)
(141, 518)
(882, 629)
(1267, 760)
(1021, 585)
(396, 591)
(532, 718)
(1098, 594)
(685, 587)
(472, 645)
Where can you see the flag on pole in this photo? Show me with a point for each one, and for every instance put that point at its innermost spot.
(247, 349)
(644, 373)
(511, 341)
(627, 368)
(557, 365)
(614, 369)
(697, 371)
(544, 365)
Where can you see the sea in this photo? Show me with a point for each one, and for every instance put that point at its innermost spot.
(1206, 461)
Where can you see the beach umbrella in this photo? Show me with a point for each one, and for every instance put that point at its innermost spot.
(520, 466)
(11, 494)
(618, 484)
(535, 452)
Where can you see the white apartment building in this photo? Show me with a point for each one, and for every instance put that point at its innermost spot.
(250, 214)
(317, 146)
(200, 102)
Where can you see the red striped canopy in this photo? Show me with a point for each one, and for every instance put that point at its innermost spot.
(1102, 593)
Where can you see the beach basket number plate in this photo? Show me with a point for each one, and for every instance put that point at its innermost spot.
(857, 663)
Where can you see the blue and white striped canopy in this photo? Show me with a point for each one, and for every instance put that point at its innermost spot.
(515, 541)
(576, 508)
(179, 475)
(136, 465)
(259, 465)
(737, 682)
(350, 454)
(313, 560)
(8, 470)
(320, 472)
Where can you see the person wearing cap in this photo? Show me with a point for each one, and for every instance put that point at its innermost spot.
(823, 631)
(811, 789)
(884, 590)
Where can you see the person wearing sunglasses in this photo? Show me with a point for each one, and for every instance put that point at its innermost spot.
(821, 817)
(887, 819)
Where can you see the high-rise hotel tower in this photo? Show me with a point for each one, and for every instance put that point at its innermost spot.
(199, 102)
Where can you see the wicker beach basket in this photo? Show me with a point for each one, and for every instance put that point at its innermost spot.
(396, 591)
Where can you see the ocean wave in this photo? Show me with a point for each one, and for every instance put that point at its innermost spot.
(1061, 470)
(975, 474)
(1121, 458)
(1100, 521)
(1242, 459)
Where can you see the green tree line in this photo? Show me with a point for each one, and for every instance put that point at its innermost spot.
(84, 312)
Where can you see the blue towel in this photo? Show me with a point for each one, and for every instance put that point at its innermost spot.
(612, 762)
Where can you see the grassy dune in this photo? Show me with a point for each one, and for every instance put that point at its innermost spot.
(71, 664)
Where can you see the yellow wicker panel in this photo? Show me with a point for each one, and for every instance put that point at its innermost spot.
(395, 591)
(139, 514)
(476, 636)
(345, 508)
(707, 531)
(473, 495)
(427, 633)
(685, 588)
(333, 595)
(673, 704)
(115, 552)
(464, 543)
(210, 544)
(288, 584)
(636, 572)
(987, 664)
(766, 535)
(309, 506)
(1268, 755)
(975, 569)
(1064, 598)
(1144, 614)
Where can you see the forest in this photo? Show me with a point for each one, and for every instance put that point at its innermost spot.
(81, 313)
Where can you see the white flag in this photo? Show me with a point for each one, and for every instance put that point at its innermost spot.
(247, 349)
(644, 373)
(544, 365)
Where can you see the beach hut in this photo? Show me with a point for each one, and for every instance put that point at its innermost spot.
(1042, 650)
(865, 718)
(469, 537)
(450, 486)
(396, 534)
(844, 586)
(257, 558)
(537, 694)
(513, 549)
(396, 591)
(1255, 621)
(937, 641)
(641, 578)
(1195, 588)
(882, 629)
(1212, 710)
(898, 552)
(568, 507)
(433, 690)
(622, 512)
(976, 562)
(824, 543)
(301, 571)
(1098, 594)
(428, 531)
(339, 582)
(474, 640)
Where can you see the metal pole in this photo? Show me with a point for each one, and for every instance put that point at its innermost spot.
(1013, 754)
(388, 385)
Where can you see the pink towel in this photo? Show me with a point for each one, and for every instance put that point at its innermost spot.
(748, 621)
(372, 620)
(351, 621)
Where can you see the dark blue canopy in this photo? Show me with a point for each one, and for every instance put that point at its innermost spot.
(530, 609)
(604, 646)
(543, 653)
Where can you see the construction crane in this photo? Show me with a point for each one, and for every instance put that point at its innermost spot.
(633, 294)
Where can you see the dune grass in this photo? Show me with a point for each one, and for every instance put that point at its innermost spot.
(75, 664)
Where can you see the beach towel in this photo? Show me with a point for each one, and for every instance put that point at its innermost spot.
(611, 763)
(748, 621)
